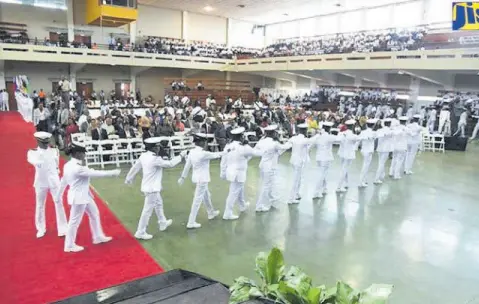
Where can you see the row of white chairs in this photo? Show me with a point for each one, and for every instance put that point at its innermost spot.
(433, 142)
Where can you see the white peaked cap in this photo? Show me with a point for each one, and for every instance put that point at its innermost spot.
(42, 135)
(372, 121)
(417, 116)
(403, 118)
(350, 122)
(237, 131)
(328, 124)
(303, 126)
(387, 120)
(271, 128)
(154, 140)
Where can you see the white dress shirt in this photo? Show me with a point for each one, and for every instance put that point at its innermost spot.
(234, 164)
(78, 178)
(349, 141)
(324, 146)
(270, 151)
(46, 167)
(40, 115)
(152, 166)
(385, 138)
(300, 150)
(414, 134)
(367, 138)
(400, 137)
(199, 159)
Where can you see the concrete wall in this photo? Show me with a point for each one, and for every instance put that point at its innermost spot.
(150, 82)
(160, 22)
(207, 28)
(41, 75)
(466, 82)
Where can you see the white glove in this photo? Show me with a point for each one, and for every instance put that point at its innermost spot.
(181, 180)
(183, 153)
(128, 182)
(116, 172)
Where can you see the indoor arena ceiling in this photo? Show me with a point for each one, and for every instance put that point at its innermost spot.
(267, 11)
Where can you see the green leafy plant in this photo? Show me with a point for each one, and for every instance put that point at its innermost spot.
(293, 286)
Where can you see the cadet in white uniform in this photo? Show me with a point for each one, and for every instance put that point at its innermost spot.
(81, 199)
(199, 159)
(367, 138)
(299, 158)
(270, 149)
(461, 125)
(152, 163)
(431, 121)
(444, 120)
(234, 166)
(45, 160)
(400, 137)
(384, 136)
(410, 113)
(324, 157)
(347, 153)
(414, 141)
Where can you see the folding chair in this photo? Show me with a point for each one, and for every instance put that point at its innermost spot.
(92, 155)
(136, 148)
(107, 150)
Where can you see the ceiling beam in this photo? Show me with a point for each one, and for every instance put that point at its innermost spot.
(442, 78)
(371, 76)
(291, 77)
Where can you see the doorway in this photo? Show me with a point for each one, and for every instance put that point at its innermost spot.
(85, 89)
(122, 90)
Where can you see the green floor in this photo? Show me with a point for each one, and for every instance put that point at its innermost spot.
(420, 233)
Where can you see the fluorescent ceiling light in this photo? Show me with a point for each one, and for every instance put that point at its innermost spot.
(208, 8)
(400, 72)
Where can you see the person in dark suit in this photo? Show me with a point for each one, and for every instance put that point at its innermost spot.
(165, 128)
(208, 127)
(119, 128)
(98, 133)
(220, 135)
(290, 127)
(248, 125)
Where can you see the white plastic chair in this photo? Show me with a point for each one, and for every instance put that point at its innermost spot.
(176, 145)
(123, 153)
(439, 143)
(136, 148)
(107, 148)
(92, 155)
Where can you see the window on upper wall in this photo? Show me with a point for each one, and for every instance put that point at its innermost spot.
(351, 22)
(378, 18)
(438, 11)
(55, 4)
(123, 3)
(413, 11)
(289, 29)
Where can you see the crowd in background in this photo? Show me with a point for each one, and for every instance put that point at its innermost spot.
(117, 115)
(361, 42)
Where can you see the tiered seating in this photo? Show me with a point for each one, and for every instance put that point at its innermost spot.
(220, 89)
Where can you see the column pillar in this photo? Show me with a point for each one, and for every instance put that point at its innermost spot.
(293, 85)
(414, 88)
(229, 29)
(228, 78)
(132, 80)
(132, 27)
(184, 26)
(2, 74)
(73, 80)
(70, 22)
(277, 85)
(312, 84)
(357, 81)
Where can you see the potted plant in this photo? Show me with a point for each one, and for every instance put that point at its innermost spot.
(293, 286)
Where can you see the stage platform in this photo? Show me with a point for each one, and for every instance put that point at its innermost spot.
(455, 143)
(174, 287)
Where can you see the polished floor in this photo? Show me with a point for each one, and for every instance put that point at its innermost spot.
(420, 233)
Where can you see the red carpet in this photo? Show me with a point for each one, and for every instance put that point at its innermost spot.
(37, 270)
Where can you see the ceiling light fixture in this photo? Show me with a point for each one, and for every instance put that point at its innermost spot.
(208, 8)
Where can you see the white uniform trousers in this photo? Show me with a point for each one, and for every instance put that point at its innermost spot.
(392, 168)
(461, 127)
(398, 166)
(367, 157)
(410, 156)
(266, 194)
(380, 173)
(474, 132)
(153, 201)
(442, 124)
(41, 197)
(297, 176)
(430, 125)
(76, 215)
(235, 194)
(321, 184)
(202, 194)
(344, 176)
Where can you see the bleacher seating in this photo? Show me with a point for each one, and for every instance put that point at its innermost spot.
(219, 89)
(13, 33)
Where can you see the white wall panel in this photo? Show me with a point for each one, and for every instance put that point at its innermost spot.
(438, 11)
(241, 34)
(328, 24)
(407, 14)
(40, 75)
(351, 22)
(378, 18)
(160, 22)
(151, 82)
(207, 28)
(104, 77)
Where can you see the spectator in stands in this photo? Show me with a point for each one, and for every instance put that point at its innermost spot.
(40, 118)
(97, 133)
(108, 126)
(178, 125)
(64, 88)
(119, 128)
(200, 86)
(70, 129)
(165, 128)
(42, 96)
